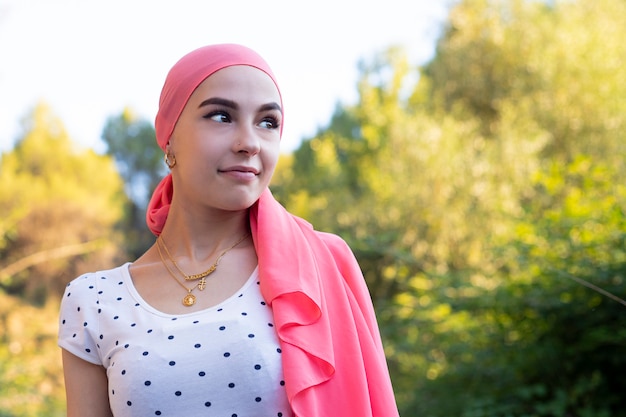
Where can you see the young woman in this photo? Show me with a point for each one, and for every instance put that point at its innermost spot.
(239, 308)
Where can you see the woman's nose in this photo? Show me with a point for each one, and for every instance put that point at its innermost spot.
(247, 140)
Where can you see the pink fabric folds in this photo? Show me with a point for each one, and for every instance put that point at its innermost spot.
(333, 357)
(180, 83)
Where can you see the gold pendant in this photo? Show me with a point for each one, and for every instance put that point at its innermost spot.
(202, 284)
(189, 300)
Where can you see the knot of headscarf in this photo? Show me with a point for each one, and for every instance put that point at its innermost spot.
(181, 81)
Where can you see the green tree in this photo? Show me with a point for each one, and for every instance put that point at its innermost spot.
(559, 63)
(131, 141)
(61, 207)
(563, 338)
(31, 375)
(445, 188)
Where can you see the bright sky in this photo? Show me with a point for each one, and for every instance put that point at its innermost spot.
(90, 59)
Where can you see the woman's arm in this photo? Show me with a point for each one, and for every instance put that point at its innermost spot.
(86, 388)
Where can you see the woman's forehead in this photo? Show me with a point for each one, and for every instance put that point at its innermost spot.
(238, 81)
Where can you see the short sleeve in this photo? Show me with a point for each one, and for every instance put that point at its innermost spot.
(78, 319)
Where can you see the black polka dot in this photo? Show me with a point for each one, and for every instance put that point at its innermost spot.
(172, 363)
(222, 327)
(147, 383)
(170, 337)
(202, 373)
(257, 366)
(197, 345)
(178, 393)
(145, 353)
(251, 335)
(207, 404)
(231, 385)
(158, 413)
(226, 354)
(257, 399)
(128, 403)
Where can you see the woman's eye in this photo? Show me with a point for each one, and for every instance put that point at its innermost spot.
(269, 123)
(218, 116)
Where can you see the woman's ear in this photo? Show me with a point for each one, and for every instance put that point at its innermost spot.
(170, 158)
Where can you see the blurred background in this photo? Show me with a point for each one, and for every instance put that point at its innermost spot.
(471, 152)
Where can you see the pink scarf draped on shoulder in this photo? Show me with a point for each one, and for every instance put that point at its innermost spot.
(332, 354)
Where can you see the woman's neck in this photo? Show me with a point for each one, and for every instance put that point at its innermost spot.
(198, 239)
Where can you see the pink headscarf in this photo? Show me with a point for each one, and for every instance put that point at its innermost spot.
(182, 80)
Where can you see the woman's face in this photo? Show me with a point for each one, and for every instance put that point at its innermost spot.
(226, 141)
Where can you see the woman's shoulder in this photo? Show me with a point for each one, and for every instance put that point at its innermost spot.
(92, 280)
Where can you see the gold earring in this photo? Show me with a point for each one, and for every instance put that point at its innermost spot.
(170, 160)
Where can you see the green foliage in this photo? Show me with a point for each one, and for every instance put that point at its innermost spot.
(560, 326)
(562, 65)
(61, 206)
(486, 208)
(31, 376)
(131, 141)
(53, 212)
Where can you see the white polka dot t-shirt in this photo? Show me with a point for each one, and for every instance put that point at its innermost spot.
(224, 361)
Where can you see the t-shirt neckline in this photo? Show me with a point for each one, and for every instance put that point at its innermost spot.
(125, 270)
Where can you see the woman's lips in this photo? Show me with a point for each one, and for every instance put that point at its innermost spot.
(240, 172)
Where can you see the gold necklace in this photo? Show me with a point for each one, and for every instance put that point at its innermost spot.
(189, 299)
(206, 273)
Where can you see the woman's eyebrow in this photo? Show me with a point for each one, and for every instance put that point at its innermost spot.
(233, 105)
(271, 106)
(219, 101)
